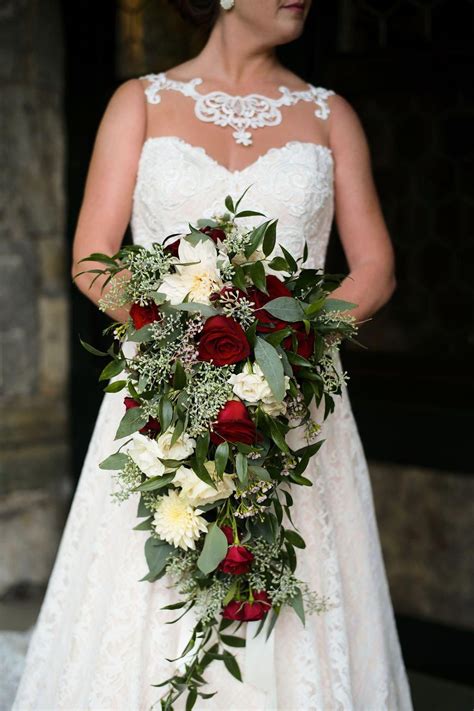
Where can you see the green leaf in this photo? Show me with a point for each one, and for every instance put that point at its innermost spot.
(277, 435)
(156, 554)
(239, 278)
(191, 698)
(177, 432)
(115, 461)
(272, 367)
(113, 368)
(279, 264)
(257, 274)
(193, 307)
(214, 550)
(200, 470)
(295, 539)
(144, 525)
(338, 305)
(232, 665)
(115, 387)
(99, 257)
(133, 420)
(241, 464)
(256, 238)
(179, 377)
(92, 350)
(165, 413)
(289, 258)
(202, 446)
(155, 482)
(229, 203)
(296, 603)
(286, 308)
(143, 334)
(242, 197)
(232, 640)
(249, 213)
(221, 457)
(270, 238)
(259, 472)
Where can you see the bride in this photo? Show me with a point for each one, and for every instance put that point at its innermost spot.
(169, 148)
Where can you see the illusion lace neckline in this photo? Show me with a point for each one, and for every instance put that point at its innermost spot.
(264, 156)
(242, 113)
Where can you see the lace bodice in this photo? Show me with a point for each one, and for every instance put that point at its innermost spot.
(178, 183)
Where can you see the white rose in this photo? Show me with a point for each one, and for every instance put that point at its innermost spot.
(145, 453)
(273, 408)
(197, 492)
(250, 385)
(181, 449)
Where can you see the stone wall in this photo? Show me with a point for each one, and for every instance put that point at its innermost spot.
(34, 457)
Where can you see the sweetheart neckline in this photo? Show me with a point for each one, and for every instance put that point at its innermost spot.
(257, 161)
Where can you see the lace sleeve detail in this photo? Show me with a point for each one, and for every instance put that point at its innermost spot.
(152, 91)
(320, 97)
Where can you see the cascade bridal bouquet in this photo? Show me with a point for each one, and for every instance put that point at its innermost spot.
(234, 345)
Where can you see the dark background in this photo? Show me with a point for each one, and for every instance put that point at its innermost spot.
(407, 69)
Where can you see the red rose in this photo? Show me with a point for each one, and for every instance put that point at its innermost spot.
(237, 560)
(234, 424)
(152, 426)
(143, 315)
(275, 288)
(173, 248)
(239, 610)
(257, 609)
(229, 534)
(214, 233)
(305, 340)
(223, 341)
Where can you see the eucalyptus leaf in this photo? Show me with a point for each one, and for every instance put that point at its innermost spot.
(133, 420)
(241, 464)
(116, 386)
(272, 367)
(214, 550)
(113, 368)
(338, 305)
(115, 461)
(296, 603)
(193, 307)
(156, 554)
(285, 308)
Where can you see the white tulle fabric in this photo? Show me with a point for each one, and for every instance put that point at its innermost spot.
(101, 639)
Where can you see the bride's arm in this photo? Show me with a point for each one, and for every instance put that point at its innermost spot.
(107, 202)
(358, 214)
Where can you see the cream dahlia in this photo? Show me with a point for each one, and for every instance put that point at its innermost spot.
(177, 522)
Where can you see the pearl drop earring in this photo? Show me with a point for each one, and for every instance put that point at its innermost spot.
(227, 4)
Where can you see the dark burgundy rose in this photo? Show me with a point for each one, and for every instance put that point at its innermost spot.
(152, 426)
(246, 610)
(305, 340)
(223, 341)
(237, 561)
(173, 248)
(214, 233)
(229, 534)
(234, 424)
(143, 315)
(276, 289)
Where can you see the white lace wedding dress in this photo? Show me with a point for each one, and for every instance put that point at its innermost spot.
(101, 639)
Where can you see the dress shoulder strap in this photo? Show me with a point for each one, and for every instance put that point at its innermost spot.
(160, 81)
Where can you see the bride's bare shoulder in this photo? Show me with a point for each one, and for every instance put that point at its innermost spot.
(346, 133)
(125, 113)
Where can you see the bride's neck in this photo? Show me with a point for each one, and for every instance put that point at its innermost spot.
(232, 56)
